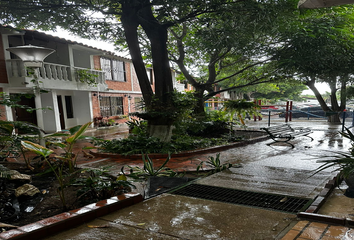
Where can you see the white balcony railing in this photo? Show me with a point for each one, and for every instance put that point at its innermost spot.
(53, 72)
(99, 75)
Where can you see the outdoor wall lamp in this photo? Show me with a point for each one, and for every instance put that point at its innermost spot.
(32, 56)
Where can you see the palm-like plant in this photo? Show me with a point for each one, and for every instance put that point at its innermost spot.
(215, 163)
(149, 169)
(67, 162)
(239, 108)
(68, 144)
(10, 139)
(343, 162)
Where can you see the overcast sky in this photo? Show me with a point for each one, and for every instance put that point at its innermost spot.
(93, 43)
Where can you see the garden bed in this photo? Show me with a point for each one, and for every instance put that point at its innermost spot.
(23, 210)
(47, 202)
(249, 136)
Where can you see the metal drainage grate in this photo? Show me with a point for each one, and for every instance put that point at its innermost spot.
(262, 200)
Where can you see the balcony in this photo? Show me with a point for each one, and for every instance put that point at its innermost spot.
(54, 76)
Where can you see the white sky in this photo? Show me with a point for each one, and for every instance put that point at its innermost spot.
(93, 43)
(322, 87)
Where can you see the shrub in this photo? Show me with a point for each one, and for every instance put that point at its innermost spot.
(98, 184)
(137, 144)
(134, 144)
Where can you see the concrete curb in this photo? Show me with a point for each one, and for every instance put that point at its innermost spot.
(60, 222)
(311, 211)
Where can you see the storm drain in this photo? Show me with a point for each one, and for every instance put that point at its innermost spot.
(262, 200)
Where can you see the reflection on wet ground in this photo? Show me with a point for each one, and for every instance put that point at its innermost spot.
(276, 169)
(258, 160)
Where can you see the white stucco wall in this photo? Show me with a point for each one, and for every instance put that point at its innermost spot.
(82, 59)
(51, 120)
(82, 107)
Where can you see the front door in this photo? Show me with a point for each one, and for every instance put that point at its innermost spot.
(21, 114)
(61, 112)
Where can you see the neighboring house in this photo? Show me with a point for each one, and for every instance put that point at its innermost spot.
(115, 92)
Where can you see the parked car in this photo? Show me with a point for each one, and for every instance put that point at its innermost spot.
(313, 112)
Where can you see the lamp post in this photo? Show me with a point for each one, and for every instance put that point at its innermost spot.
(33, 57)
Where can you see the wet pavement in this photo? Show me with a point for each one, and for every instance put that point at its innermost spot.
(179, 217)
(275, 169)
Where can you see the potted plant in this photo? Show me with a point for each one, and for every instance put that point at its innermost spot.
(343, 162)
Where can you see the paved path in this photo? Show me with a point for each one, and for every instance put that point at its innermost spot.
(276, 169)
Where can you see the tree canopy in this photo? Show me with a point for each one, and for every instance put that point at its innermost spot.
(320, 48)
(223, 39)
(216, 24)
(228, 48)
(280, 92)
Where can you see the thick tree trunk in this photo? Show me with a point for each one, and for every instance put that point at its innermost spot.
(135, 13)
(157, 34)
(343, 92)
(334, 119)
(162, 126)
(198, 110)
(130, 25)
(334, 101)
(162, 132)
(331, 118)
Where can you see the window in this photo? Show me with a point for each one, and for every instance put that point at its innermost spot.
(138, 105)
(114, 69)
(111, 106)
(69, 107)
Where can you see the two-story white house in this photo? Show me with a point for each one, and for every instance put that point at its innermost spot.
(70, 97)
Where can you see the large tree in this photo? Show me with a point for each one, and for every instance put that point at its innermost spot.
(119, 19)
(122, 19)
(228, 48)
(320, 48)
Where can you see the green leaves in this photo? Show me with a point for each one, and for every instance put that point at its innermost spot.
(77, 133)
(149, 169)
(215, 163)
(98, 184)
(36, 148)
(4, 172)
(6, 127)
(85, 76)
(319, 44)
(135, 144)
(342, 162)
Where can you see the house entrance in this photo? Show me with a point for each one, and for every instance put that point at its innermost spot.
(20, 114)
(61, 112)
